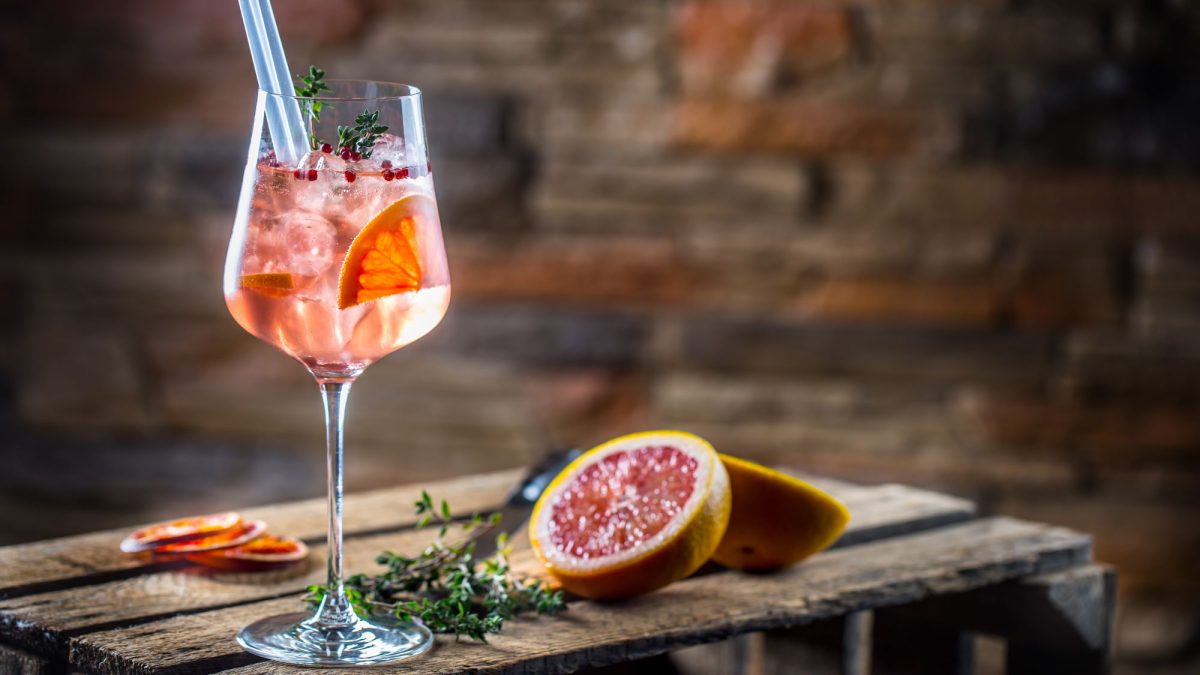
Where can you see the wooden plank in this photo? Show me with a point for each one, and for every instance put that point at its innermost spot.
(15, 661)
(889, 509)
(700, 609)
(884, 511)
(1054, 623)
(41, 621)
(840, 645)
(1072, 629)
(837, 646)
(94, 558)
(905, 644)
(739, 655)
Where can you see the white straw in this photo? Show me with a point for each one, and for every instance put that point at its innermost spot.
(288, 134)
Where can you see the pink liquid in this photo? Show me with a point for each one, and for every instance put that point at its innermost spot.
(304, 228)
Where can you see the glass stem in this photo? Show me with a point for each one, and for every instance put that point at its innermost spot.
(335, 611)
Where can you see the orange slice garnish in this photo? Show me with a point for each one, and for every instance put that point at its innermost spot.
(243, 533)
(383, 260)
(183, 529)
(262, 553)
(274, 284)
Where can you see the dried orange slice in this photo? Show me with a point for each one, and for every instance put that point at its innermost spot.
(382, 259)
(632, 515)
(274, 284)
(777, 519)
(241, 534)
(183, 529)
(266, 552)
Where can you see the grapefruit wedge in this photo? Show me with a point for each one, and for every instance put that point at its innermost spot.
(632, 515)
(777, 520)
(382, 259)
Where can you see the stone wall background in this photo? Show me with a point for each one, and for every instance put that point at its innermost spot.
(943, 242)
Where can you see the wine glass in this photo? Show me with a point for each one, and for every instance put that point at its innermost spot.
(337, 260)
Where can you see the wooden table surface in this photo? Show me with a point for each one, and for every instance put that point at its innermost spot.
(79, 601)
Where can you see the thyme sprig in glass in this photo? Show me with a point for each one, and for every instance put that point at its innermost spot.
(360, 138)
(445, 586)
(311, 87)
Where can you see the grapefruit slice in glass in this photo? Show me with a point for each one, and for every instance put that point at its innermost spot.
(383, 260)
(242, 533)
(632, 515)
(183, 529)
(273, 284)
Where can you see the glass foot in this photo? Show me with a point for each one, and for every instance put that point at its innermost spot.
(296, 638)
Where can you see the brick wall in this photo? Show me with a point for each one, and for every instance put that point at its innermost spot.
(950, 243)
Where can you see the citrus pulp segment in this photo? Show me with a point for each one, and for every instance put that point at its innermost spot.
(632, 515)
(383, 258)
(777, 519)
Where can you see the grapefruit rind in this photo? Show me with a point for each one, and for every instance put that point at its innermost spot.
(383, 259)
(273, 284)
(244, 532)
(243, 558)
(672, 554)
(179, 530)
(777, 520)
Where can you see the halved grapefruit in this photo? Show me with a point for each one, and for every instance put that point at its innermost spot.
(265, 552)
(382, 260)
(235, 536)
(777, 520)
(632, 515)
(182, 529)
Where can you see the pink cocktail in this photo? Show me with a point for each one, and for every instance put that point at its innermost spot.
(337, 260)
(301, 223)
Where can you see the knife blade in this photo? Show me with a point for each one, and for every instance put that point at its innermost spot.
(524, 495)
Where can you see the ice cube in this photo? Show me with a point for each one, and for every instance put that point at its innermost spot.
(332, 162)
(388, 147)
(309, 241)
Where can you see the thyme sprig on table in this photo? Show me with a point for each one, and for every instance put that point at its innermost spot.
(445, 586)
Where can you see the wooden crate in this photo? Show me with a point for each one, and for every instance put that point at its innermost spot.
(913, 577)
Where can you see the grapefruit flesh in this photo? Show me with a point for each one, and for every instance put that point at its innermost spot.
(632, 515)
(383, 258)
(777, 520)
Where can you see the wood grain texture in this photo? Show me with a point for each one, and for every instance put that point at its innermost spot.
(1060, 622)
(43, 621)
(882, 511)
(15, 661)
(700, 609)
(94, 558)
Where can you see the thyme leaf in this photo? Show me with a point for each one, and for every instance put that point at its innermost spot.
(445, 586)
